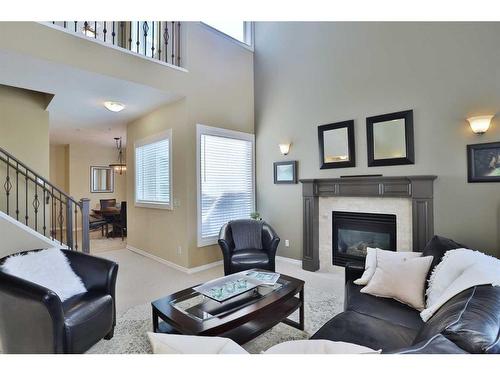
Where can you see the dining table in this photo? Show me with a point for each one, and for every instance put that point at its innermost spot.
(110, 214)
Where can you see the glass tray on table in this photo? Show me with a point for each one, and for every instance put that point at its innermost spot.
(201, 307)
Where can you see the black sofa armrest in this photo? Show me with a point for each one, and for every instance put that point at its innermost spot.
(270, 242)
(353, 271)
(227, 246)
(96, 273)
(437, 344)
(31, 317)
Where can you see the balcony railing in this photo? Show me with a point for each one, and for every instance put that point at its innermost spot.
(158, 40)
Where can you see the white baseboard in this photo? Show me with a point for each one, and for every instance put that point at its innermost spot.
(290, 260)
(172, 264)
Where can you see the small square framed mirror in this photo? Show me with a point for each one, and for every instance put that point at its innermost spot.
(101, 179)
(390, 139)
(336, 145)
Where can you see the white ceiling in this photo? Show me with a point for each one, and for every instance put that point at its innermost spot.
(76, 112)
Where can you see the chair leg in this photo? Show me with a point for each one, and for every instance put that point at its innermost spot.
(110, 334)
(122, 233)
(102, 230)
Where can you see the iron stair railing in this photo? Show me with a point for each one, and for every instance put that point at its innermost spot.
(158, 40)
(36, 202)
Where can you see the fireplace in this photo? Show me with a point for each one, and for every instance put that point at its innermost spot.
(353, 232)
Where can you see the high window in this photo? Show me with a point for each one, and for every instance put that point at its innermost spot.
(153, 171)
(226, 179)
(239, 30)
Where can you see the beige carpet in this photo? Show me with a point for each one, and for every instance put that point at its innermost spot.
(142, 280)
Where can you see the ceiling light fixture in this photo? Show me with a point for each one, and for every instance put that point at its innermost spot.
(114, 106)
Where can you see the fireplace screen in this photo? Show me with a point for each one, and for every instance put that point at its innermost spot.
(353, 232)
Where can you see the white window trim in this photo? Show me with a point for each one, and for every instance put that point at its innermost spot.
(167, 134)
(220, 132)
(248, 32)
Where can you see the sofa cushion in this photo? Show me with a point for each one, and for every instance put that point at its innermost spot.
(365, 330)
(471, 320)
(86, 317)
(249, 257)
(247, 233)
(381, 308)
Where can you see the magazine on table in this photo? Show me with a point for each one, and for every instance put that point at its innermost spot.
(266, 278)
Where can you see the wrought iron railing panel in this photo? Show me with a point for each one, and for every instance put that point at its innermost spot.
(34, 201)
(158, 40)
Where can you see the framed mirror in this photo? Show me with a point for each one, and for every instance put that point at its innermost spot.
(390, 139)
(101, 179)
(336, 145)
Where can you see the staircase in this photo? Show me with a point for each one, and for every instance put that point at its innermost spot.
(32, 200)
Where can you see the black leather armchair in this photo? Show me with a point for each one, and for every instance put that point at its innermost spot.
(236, 260)
(34, 320)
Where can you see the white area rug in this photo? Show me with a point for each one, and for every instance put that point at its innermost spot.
(321, 305)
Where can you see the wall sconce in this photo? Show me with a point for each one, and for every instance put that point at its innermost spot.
(480, 124)
(284, 148)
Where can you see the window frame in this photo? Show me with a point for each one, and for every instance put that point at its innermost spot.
(167, 134)
(248, 33)
(225, 133)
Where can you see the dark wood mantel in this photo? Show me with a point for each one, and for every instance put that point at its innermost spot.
(417, 188)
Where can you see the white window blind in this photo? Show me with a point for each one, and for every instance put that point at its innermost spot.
(226, 176)
(153, 180)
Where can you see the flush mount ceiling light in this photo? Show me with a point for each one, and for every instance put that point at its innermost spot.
(114, 106)
(480, 124)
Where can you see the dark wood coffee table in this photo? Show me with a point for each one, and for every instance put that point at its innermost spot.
(241, 318)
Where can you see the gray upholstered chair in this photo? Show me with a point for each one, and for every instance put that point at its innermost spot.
(248, 244)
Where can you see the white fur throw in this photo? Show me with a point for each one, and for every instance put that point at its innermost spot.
(459, 270)
(49, 268)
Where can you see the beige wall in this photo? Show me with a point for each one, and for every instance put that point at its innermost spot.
(217, 89)
(157, 231)
(219, 92)
(81, 156)
(445, 72)
(24, 133)
(24, 127)
(59, 166)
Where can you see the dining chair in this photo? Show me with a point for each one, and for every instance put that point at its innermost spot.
(107, 203)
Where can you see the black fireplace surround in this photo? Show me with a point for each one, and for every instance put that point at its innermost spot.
(418, 189)
(353, 232)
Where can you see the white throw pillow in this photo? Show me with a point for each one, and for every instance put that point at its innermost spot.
(319, 347)
(402, 279)
(185, 344)
(49, 268)
(371, 261)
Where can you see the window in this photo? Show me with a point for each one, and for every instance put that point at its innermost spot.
(153, 171)
(226, 179)
(239, 30)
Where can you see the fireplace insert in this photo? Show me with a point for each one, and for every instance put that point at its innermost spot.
(353, 232)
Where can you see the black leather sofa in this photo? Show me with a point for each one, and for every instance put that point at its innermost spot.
(236, 260)
(33, 320)
(468, 323)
